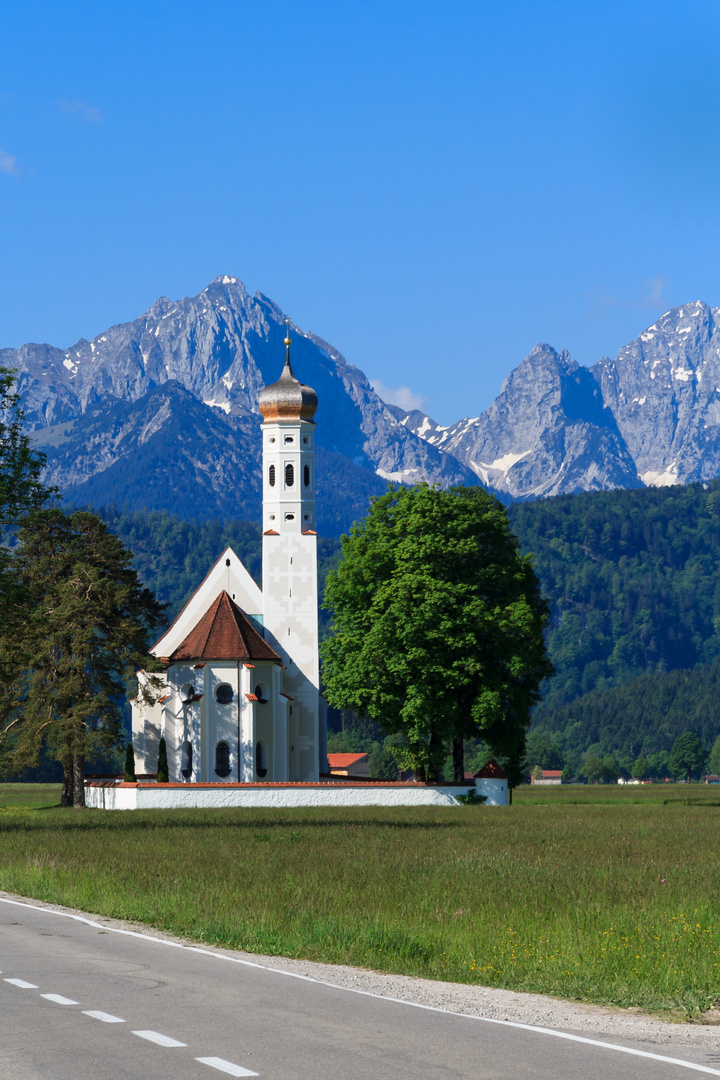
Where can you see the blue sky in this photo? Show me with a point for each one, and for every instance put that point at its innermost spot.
(432, 187)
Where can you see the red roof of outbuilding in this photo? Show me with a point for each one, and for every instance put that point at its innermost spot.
(341, 761)
(491, 770)
(552, 773)
(224, 633)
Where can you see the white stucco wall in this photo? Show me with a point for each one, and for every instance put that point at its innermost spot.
(495, 790)
(154, 797)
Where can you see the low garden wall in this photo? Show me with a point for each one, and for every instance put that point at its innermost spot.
(110, 795)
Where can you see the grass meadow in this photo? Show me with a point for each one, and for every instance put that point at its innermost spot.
(598, 894)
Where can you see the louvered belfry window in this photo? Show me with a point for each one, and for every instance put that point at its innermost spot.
(271, 476)
(306, 475)
(289, 475)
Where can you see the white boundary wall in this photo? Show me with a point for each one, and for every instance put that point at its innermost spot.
(190, 796)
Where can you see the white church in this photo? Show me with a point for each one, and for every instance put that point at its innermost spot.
(242, 700)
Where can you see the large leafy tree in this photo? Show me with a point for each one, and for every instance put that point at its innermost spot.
(86, 631)
(438, 626)
(688, 755)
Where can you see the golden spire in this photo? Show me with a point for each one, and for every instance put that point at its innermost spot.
(287, 339)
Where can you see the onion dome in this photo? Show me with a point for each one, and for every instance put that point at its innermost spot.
(288, 399)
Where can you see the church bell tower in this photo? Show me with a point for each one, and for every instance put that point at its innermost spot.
(289, 577)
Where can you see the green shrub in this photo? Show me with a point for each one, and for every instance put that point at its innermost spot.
(473, 798)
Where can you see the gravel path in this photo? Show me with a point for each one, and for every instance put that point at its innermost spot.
(535, 1009)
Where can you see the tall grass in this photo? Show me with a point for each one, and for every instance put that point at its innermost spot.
(595, 894)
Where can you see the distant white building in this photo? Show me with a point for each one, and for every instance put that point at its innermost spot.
(242, 702)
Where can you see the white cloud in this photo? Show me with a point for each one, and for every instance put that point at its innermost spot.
(402, 396)
(86, 112)
(8, 163)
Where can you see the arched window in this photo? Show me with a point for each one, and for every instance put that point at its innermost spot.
(271, 476)
(187, 693)
(222, 759)
(262, 693)
(306, 476)
(224, 694)
(261, 758)
(186, 760)
(289, 475)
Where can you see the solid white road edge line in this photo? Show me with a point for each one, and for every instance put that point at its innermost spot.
(22, 984)
(226, 1066)
(107, 1018)
(156, 1037)
(59, 999)
(367, 993)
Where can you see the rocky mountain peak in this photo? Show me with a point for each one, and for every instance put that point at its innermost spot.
(89, 406)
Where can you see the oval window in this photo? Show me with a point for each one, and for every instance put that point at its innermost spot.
(222, 759)
(261, 693)
(261, 758)
(186, 759)
(271, 476)
(224, 694)
(187, 693)
(306, 475)
(289, 475)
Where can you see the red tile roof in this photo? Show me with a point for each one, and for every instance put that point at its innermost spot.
(224, 633)
(341, 761)
(491, 771)
(552, 774)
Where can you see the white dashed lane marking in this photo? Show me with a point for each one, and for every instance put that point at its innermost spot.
(226, 1066)
(156, 1037)
(152, 1036)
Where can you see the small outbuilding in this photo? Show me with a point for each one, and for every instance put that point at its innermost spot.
(549, 776)
(348, 764)
(492, 782)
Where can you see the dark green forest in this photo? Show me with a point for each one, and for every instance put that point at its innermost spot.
(632, 579)
(643, 717)
(633, 582)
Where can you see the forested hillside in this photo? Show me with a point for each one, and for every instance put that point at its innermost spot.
(632, 578)
(643, 717)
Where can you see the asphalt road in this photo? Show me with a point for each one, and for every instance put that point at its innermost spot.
(79, 1001)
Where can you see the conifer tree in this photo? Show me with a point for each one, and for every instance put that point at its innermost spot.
(21, 492)
(163, 775)
(130, 777)
(85, 633)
